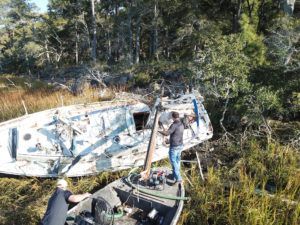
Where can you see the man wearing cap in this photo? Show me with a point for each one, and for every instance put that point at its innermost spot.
(191, 117)
(57, 208)
(176, 145)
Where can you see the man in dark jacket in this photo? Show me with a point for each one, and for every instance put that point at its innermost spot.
(176, 145)
(57, 208)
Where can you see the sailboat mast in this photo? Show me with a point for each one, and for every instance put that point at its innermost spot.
(151, 146)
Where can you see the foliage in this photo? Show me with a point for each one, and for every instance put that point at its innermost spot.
(254, 46)
(283, 42)
(222, 70)
(280, 75)
(126, 31)
(142, 79)
(224, 66)
(17, 46)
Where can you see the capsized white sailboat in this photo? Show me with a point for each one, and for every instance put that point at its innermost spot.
(86, 139)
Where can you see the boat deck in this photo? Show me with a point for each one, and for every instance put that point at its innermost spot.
(135, 198)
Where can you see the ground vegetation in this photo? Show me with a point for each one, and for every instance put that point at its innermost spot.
(242, 55)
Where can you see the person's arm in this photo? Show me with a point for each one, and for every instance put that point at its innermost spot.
(169, 131)
(163, 132)
(78, 198)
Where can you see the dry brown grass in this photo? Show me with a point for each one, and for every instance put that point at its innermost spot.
(11, 105)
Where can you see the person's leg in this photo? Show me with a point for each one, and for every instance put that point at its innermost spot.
(178, 158)
(172, 158)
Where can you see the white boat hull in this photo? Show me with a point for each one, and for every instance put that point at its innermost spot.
(82, 140)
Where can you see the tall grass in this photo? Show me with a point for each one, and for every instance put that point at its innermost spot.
(14, 104)
(262, 188)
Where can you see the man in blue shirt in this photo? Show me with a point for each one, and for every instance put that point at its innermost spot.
(176, 145)
(57, 208)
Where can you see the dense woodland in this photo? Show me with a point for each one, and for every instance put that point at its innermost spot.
(243, 55)
(243, 52)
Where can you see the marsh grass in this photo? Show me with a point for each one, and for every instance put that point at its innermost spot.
(262, 188)
(11, 105)
(258, 184)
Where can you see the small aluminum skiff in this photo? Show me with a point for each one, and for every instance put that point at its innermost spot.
(130, 201)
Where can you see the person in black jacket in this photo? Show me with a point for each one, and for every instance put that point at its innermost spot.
(176, 145)
(57, 208)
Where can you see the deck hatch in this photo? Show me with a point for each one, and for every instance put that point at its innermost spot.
(140, 120)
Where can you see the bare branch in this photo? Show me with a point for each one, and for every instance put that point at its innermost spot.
(11, 82)
(64, 86)
(98, 77)
(225, 110)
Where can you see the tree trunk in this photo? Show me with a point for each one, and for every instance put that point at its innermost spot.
(94, 42)
(250, 6)
(122, 38)
(137, 40)
(130, 52)
(155, 32)
(288, 6)
(76, 42)
(109, 45)
(166, 43)
(28, 65)
(47, 51)
(236, 16)
(117, 50)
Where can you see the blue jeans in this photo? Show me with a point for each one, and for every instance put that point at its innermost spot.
(175, 156)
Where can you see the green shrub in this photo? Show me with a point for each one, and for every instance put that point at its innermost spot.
(142, 79)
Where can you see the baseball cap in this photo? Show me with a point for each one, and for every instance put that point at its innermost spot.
(62, 183)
